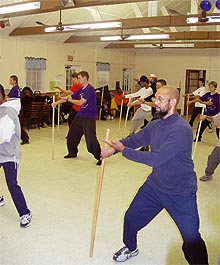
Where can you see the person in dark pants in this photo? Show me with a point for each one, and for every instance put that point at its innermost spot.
(214, 157)
(84, 123)
(10, 153)
(171, 185)
(212, 102)
(200, 91)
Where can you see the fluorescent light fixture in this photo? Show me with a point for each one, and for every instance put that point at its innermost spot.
(110, 38)
(101, 25)
(136, 37)
(178, 45)
(19, 8)
(149, 37)
(50, 29)
(143, 46)
(166, 45)
(193, 20)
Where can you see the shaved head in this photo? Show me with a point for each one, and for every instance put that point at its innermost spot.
(171, 92)
(166, 100)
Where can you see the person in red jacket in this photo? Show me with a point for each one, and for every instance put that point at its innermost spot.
(119, 98)
(75, 86)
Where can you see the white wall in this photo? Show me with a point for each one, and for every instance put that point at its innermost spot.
(14, 50)
(168, 64)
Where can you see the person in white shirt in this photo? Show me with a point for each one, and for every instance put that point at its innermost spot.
(200, 91)
(144, 112)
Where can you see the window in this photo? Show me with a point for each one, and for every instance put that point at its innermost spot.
(35, 73)
(102, 75)
(35, 79)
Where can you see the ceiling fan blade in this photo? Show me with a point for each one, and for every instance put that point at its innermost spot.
(41, 23)
(174, 12)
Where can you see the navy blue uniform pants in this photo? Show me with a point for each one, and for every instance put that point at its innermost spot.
(83, 126)
(183, 210)
(11, 174)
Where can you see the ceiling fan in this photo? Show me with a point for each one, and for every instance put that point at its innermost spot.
(124, 36)
(159, 46)
(59, 26)
(203, 18)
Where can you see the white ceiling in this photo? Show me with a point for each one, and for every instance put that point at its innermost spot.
(103, 13)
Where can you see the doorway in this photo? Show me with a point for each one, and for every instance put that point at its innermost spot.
(127, 79)
(69, 70)
(192, 80)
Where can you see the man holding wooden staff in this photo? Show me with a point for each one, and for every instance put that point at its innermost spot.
(214, 157)
(211, 100)
(84, 122)
(171, 185)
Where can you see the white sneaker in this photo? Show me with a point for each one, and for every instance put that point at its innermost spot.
(124, 253)
(210, 130)
(25, 220)
(205, 178)
(2, 201)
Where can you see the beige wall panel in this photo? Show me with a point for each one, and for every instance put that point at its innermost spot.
(102, 55)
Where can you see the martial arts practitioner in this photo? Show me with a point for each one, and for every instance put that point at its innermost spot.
(171, 185)
(10, 153)
(144, 112)
(214, 157)
(84, 123)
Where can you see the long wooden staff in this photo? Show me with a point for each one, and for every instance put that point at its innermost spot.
(58, 117)
(122, 102)
(197, 136)
(97, 202)
(53, 117)
(126, 117)
(187, 108)
(100, 110)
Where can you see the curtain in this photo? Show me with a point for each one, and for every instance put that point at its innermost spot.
(35, 63)
(102, 66)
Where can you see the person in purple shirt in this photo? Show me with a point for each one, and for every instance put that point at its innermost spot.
(212, 101)
(84, 123)
(172, 183)
(15, 93)
(15, 90)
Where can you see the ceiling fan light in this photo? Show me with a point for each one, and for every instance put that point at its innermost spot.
(19, 8)
(205, 5)
(217, 4)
